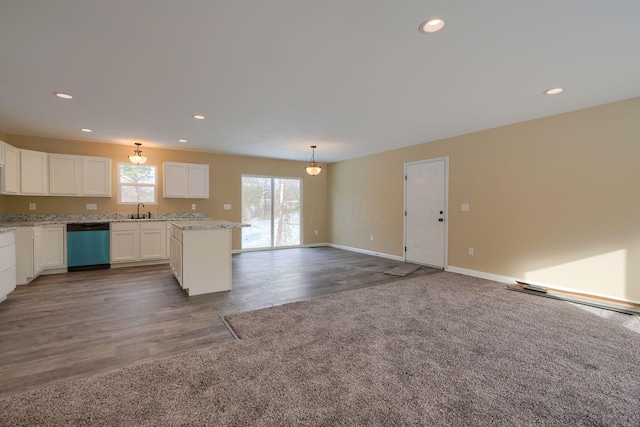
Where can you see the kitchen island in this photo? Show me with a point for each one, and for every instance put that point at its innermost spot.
(200, 255)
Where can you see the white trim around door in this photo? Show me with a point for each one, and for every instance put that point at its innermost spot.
(444, 216)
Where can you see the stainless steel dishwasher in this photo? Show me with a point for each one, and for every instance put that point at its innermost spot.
(88, 246)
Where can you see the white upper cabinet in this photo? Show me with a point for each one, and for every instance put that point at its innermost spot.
(1, 153)
(11, 170)
(176, 180)
(185, 180)
(79, 175)
(34, 172)
(65, 175)
(96, 176)
(198, 181)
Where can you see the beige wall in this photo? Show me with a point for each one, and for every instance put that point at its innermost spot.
(224, 187)
(554, 200)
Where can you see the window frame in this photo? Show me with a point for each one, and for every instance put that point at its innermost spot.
(120, 184)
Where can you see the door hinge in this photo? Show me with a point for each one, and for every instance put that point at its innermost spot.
(405, 213)
(405, 249)
(405, 177)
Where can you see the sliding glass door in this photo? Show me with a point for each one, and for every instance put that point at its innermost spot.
(273, 208)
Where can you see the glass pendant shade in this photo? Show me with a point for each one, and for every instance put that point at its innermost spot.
(313, 169)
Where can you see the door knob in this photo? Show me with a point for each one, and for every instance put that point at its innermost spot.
(440, 219)
(441, 212)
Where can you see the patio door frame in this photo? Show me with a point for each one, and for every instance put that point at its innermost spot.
(273, 178)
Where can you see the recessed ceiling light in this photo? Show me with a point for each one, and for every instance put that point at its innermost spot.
(182, 140)
(63, 95)
(198, 116)
(431, 25)
(86, 130)
(554, 91)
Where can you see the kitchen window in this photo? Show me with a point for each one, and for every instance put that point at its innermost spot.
(137, 183)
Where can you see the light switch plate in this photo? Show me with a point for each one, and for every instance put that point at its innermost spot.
(32, 206)
(464, 207)
(92, 206)
(193, 206)
(227, 207)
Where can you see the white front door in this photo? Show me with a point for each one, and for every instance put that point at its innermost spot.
(425, 203)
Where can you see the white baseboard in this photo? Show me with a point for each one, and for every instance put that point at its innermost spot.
(578, 291)
(481, 274)
(308, 245)
(364, 251)
(315, 245)
(513, 280)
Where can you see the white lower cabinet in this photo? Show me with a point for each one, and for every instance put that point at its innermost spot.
(138, 241)
(153, 241)
(34, 248)
(7, 264)
(175, 257)
(125, 242)
(54, 246)
(201, 259)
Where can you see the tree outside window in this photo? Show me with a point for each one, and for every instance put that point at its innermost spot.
(137, 183)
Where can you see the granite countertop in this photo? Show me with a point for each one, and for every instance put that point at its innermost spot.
(207, 224)
(12, 221)
(6, 229)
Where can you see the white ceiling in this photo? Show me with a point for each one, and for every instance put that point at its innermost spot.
(353, 77)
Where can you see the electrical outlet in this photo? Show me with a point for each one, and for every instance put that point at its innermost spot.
(32, 206)
(470, 251)
(372, 237)
(316, 232)
(92, 206)
(193, 206)
(227, 207)
(464, 207)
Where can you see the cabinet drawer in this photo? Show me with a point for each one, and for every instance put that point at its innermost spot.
(119, 226)
(7, 257)
(155, 225)
(7, 239)
(7, 281)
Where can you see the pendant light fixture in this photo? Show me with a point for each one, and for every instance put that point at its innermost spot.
(137, 157)
(313, 169)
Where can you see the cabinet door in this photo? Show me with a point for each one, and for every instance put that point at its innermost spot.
(96, 176)
(125, 245)
(198, 181)
(65, 174)
(176, 180)
(34, 172)
(153, 241)
(1, 153)
(37, 251)
(11, 170)
(53, 244)
(176, 259)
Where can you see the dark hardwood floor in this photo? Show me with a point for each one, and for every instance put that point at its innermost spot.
(78, 324)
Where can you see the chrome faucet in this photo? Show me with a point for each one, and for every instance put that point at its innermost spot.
(138, 215)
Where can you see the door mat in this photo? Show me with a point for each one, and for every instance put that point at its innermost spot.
(402, 270)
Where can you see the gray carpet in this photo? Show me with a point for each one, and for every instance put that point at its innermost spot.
(402, 270)
(441, 350)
